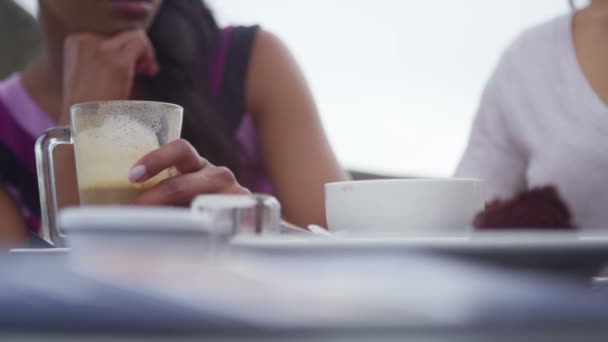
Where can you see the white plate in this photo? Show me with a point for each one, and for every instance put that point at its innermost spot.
(505, 239)
(550, 251)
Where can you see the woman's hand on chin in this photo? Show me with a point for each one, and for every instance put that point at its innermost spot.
(100, 68)
(196, 176)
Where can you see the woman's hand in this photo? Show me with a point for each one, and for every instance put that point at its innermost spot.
(98, 68)
(196, 176)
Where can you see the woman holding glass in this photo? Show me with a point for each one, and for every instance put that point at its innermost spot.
(250, 123)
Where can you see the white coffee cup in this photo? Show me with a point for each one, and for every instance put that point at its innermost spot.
(404, 206)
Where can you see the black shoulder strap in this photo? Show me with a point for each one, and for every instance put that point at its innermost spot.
(233, 89)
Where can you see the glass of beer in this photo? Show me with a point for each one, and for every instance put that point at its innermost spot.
(108, 138)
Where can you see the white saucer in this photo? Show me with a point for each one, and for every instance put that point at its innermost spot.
(565, 252)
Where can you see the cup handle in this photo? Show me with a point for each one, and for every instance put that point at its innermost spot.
(45, 145)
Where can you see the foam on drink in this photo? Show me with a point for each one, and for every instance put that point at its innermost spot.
(104, 156)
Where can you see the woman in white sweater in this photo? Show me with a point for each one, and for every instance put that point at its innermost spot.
(543, 117)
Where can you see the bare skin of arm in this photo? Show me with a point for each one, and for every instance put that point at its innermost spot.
(293, 145)
(13, 231)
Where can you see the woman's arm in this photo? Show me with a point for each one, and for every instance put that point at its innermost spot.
(13, 230)
(293, 145)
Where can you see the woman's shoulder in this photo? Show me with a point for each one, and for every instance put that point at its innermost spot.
(7, 90)
(229, 66)
(233, 55)
(235, 49)
(240, 35)
(539, 43)
(534, 58)
(239, 50)
(7, 86)
(19, 107)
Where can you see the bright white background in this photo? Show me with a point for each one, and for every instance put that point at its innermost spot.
(397, 81)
